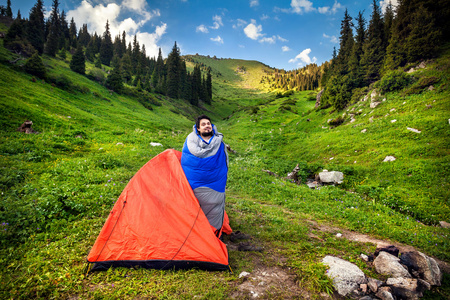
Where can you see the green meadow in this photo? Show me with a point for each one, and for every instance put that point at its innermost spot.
(58, 186)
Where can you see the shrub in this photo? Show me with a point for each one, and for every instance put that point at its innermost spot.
(62, 82)
(35, 66)
(394, 81)
(421, 84)
(337, 121)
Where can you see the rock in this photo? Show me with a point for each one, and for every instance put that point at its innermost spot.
(392, 109)
(413, 130)
(319, 95)
(26, 127)
(244, 274)
(391, 249)
(119, 144)
(374, 104)
(338, 235)
(389, 264)
(364, 257)
(444, 224)
(374, 284)
(385, 293)
(331, 177)
(366, 298)
(346, 276)
(294, 175)
(155, 144)
(364, 131)
(407, 288)
(393, 121)
(363, 287)
(389, 158)
(312, 184)
(425, 266)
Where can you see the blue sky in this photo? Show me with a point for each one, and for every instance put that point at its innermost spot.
(282, 34)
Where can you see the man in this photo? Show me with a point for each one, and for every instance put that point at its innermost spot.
(204, 160)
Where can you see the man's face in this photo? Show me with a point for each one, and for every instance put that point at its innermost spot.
(205, 127)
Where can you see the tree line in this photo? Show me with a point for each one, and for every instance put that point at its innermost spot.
(129, 63)
(408, 33)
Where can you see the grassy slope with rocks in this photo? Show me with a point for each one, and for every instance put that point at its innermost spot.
(58, 186)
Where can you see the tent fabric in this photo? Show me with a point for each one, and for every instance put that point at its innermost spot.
(205, 164)
(157, 223)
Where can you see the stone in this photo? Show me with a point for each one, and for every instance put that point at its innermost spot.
(155, 144)
(363, 287)
(364, 131)
(364, 257)
(346, 276)
(331, 177)
(244, 274)
(26, 127)
(366, 298)
(389, 264)
(444, 224)
(393, 121)
(374, 284)
(425, 266)
(407, 288)
(391, 249)
(413, 130)
(374, 104)
(385, 293)
(389, 158)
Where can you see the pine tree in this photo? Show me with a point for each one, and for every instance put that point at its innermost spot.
(114, 80)
(209, 86)
(106, 48)
(135, 56)
(35, 66)
(423, 39)
(173, 66)
(78, 62)
(126, 68)
(83, 36)
(64, 31)
(72, 34)
(355, 60)
(346, 45)
(51, 46)
(36, 27)
(8, 9)
(374, 47)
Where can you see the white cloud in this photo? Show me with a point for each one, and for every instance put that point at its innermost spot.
(254, 3)
(202, 28)
(300, 6)
(150, 40)
(96, 17)
(253, 31)
(286, 49)
(384, 4)
(332, 39)
(332, 10)
(217, 22)
(239, 23)
(303, 57)
(282, 39)
(264, 17)
(218, 39)
(270, 40)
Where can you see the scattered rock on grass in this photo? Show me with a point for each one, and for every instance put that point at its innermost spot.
(389, 158)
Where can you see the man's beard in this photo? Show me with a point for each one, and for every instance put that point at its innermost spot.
(206, 134)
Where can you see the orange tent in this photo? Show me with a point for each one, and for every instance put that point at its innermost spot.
(157, 223)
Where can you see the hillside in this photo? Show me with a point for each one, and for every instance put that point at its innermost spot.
(58, 186)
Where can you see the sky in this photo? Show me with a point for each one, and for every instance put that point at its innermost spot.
(284, 34)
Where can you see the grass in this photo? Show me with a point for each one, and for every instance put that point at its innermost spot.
(59, 186)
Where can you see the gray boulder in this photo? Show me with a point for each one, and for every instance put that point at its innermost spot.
(346, 276)
(331, 177)
(425, 267)
(388, 264)
(407, 288)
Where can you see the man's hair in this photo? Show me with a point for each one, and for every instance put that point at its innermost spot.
(199, 118)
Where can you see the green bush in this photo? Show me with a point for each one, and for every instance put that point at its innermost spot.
(394, 81)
